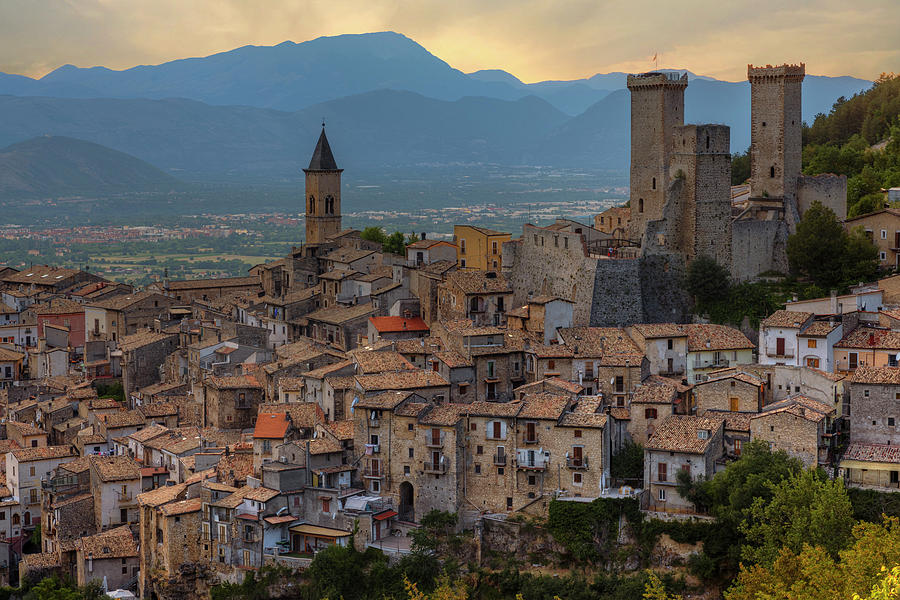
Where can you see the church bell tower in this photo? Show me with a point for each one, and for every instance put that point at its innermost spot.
(323, 194)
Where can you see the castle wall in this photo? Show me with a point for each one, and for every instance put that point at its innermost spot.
(757, 247)
(617, 298)
(829, 189)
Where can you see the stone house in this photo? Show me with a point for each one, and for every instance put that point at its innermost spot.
(481, 296)
(493, 440)
(587, 451)
(883, 228)
(866, 346)
(606, 361)
(396, 328)
(26, 435)
(479, 248)
(737, 430)
(614, 221)
(712, 347)
(187, 290)
(542, 315)
(459, 371)
(314, 383)
(231, 402)
(730, 391)
(110, 556)
(544, 361)
(163, 413)
(652, 403)
(779, 337)
(440, 443)
(126, 314)
(816, 344)
(681, 442)
(115, 483)
(664, 345)
(26, 468)
(427, 384)
(143, 354)
(423, 284)
(347, 258)
(339, 393)
(798, 425)
(873, 457)
(423, 252)
(119, 424)
(343, 327)
(169, 538)
(271, 430)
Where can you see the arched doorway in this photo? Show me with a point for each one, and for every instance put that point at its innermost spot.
(407, 510)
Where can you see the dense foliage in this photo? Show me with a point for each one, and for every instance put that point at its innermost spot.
(707, 280)
(859, 138)
(628, 462)
(394, 243)
(740, 167)
(823, 251)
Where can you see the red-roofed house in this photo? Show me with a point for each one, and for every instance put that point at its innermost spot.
(271, 430)
(396, 328)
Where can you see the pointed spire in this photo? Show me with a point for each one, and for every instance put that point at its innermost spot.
(322, 158)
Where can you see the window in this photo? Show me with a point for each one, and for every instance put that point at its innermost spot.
(478, 469)
(31, 469)
(462, 245)
(649, 413)
(576, 478)
(499, 470)
(734, 404)
(326, 505)
(578, 433)
(662, 495)
(811, 343)
(479, 449)
(654, 183)
(551, 364)
(865, 393)
(771, 171)
(508, 503)
(883, 255)
(409, 426)
(662, 472)
(853, 360)
(890, 421)
(812, 362)
(671, 344)
(532, 480)
(490, 369)
(493, 247)
(640, 205)
(737, 447)
(884, 234)
(411, 454)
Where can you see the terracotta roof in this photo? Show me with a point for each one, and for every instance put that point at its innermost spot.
(383, 401)
(79, 465)
(787, 319)
(324, 446)
(401, 380)
(585, 413)
(304, 415)
(738, 375)
(478, 282)
(57, 306)
(452, 359)
(443, 415)
(291, 384)
(680, 433)
(482, 408)
(125, 418)
(347, 254)
(40, 560)
(47, 453)
(7, 355)
(162, 495)
(148, 433)
(661, 330)
(116, 468)
(182, 507)
(551, 350)
(24, 429)
(271, 426)
(876, 375)
(734, 421)
(703, 337)
(116, 543)
(873, 453)
(142, 338)
(123, 301)
(398, 324)
(655, 391)
(341, 382)
(158, 409)
(234, 382)
(620, 413)
(197, 284)
(819, 329)
(543, 405)
(801, 406)
(87, 496)
(321, 372)
(338, 274)
(411, 409)
(610, 344)
(379, 361)
(342, 430)
(337, 315)
(871, 338)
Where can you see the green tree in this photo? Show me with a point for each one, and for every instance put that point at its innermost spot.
(824, 252)
(740, 167)
(654, 589)
(374, 234)
(805, 508)
(628, 462)
(707, 280)
(395, 243)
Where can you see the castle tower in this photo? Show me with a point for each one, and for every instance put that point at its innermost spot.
(775, 132)
(657, 108)
(323, 194)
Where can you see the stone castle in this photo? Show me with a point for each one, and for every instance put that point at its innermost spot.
(682, 205)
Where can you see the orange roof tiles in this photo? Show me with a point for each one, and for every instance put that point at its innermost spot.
(398, 324)
(271, 426)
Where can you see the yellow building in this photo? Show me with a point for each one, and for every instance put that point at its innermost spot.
(479, 248)
(883, 228)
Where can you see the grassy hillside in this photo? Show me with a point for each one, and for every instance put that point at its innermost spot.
(859, 138)
(58, 165)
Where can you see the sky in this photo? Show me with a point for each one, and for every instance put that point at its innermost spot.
(535, 40)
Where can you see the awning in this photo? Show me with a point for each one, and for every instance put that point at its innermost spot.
(385, 515)
(322, 532)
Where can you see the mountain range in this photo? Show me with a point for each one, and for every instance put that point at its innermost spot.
(253, 113)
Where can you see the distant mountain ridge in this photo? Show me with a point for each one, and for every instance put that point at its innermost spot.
(292, 76)
(58, 165)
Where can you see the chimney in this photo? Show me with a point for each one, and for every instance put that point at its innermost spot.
(834, 302)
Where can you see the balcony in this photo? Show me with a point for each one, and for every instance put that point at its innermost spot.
(437, 468)
(373, 472)
(531, 463)
(672, 372)
(720, 363)
(434, 443)
(577, 463)
(785, 353)
(500, 460)
(530, 438)
(374, 422)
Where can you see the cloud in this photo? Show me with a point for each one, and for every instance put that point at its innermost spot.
(533, 39)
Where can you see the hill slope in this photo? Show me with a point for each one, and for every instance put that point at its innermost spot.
(58, 165)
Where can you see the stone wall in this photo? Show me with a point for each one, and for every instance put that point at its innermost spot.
(757, 247)
(875, 415)
(827, 188)
(795, 435)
